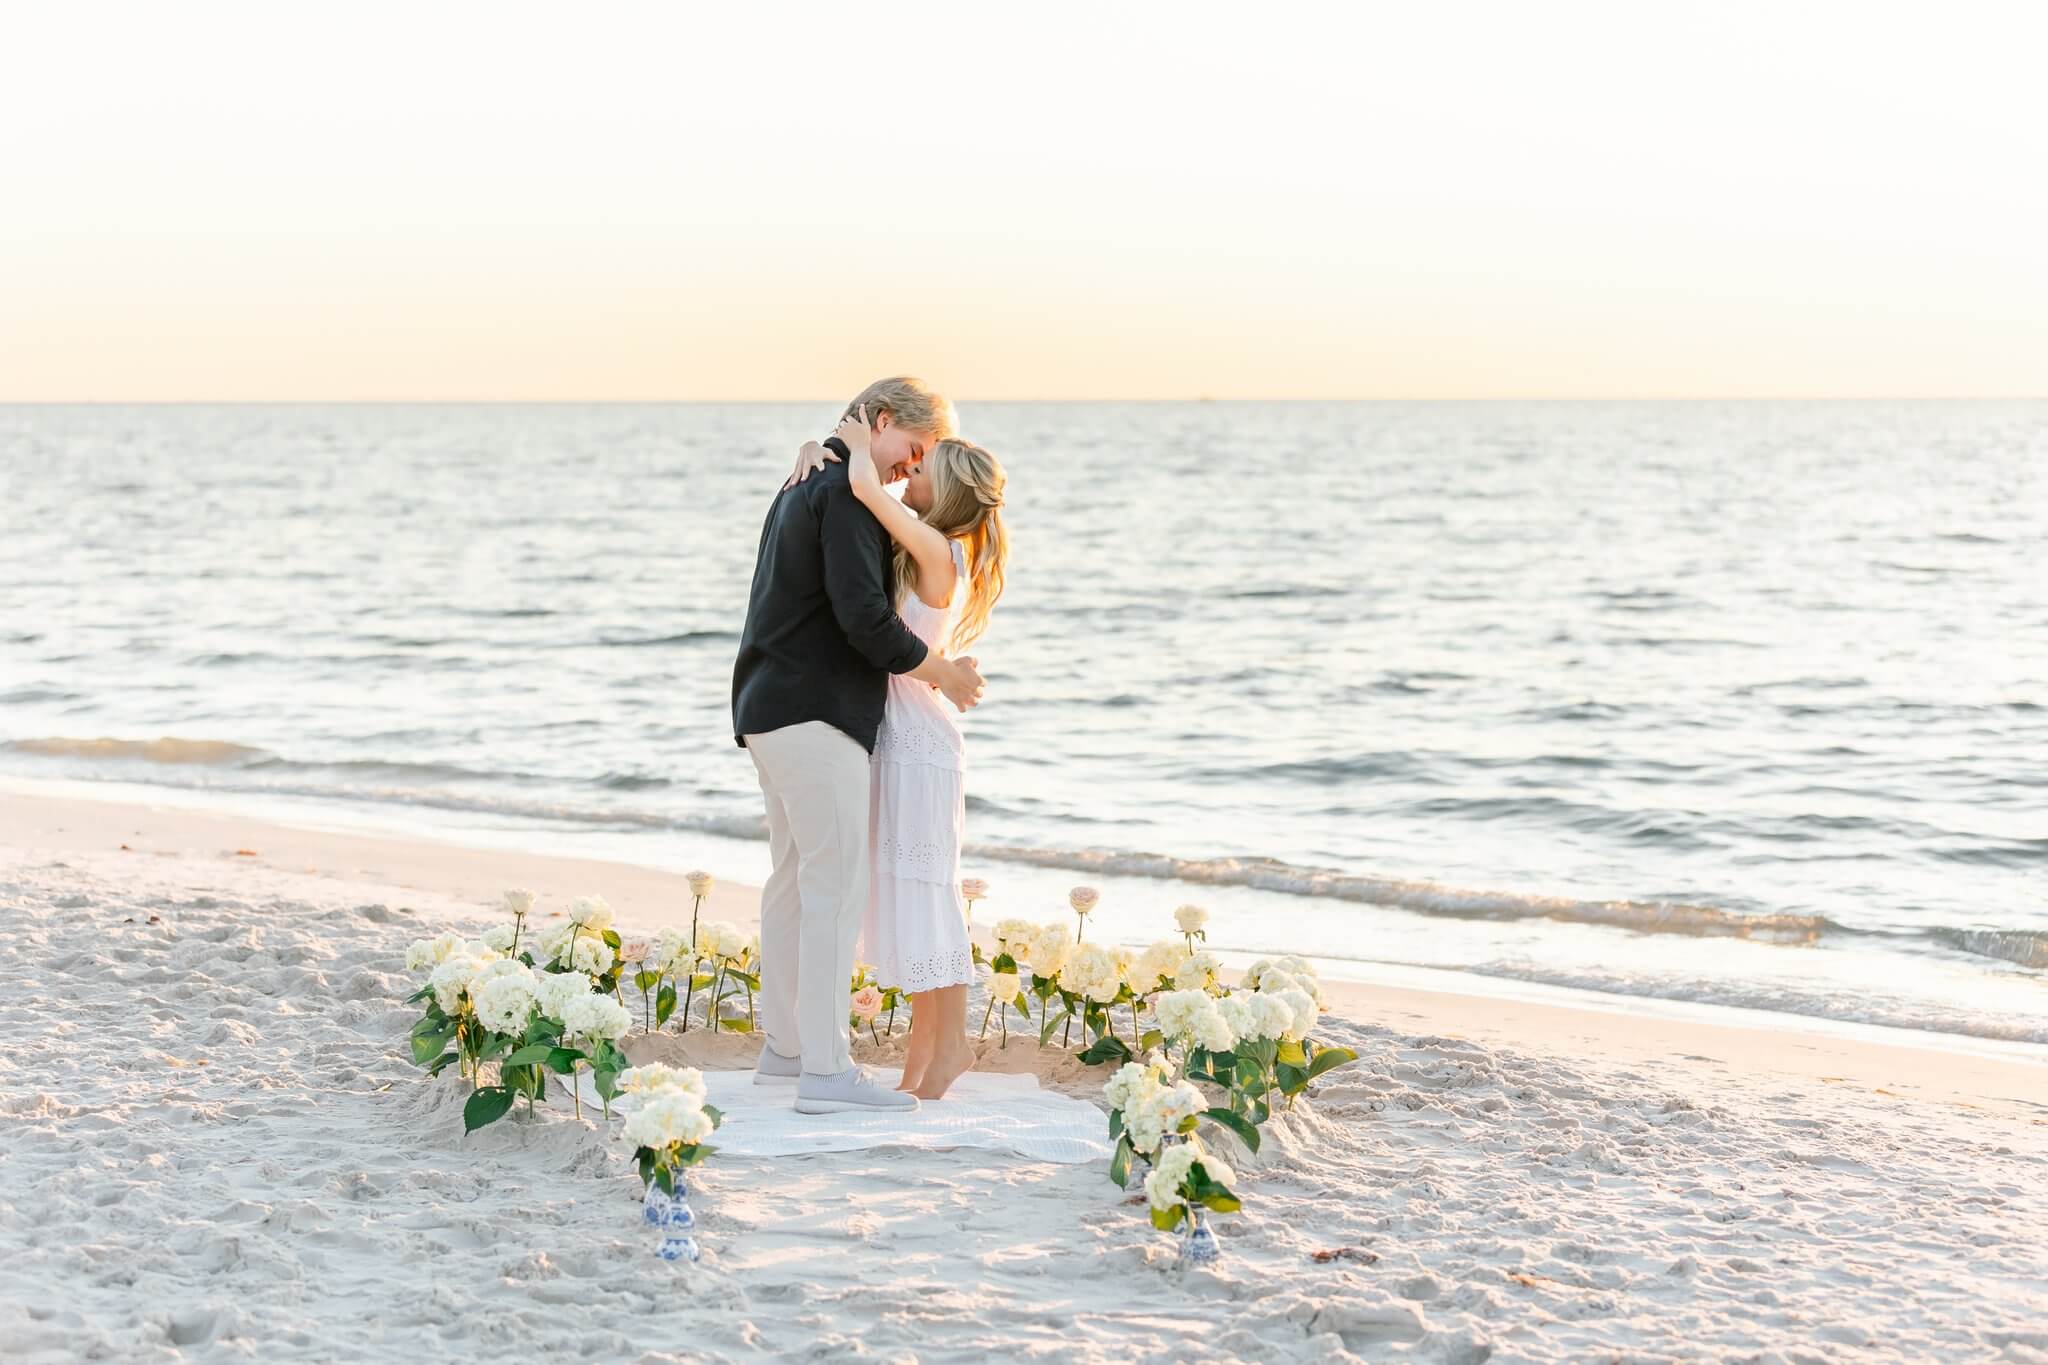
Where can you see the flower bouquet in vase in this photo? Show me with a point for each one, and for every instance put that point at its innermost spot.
(668, 1128)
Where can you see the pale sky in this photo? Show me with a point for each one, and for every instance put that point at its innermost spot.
(209, 201)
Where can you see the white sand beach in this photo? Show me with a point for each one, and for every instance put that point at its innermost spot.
(214, 1145)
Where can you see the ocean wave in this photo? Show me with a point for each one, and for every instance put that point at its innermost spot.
(1924, 1016)
(170, 750)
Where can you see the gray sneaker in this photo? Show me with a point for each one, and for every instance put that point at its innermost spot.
(854, 1089)
(776, 1069)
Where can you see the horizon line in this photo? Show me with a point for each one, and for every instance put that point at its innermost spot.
(1197, 398)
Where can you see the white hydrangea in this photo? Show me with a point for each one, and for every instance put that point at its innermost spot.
(1014, 933)
(1197, 973)
(498, 937)
(432, 952)
(1266, 1017)
(1090, 972)
(556, 989)
(663, 1117)
(591, 955)
(504, 1000)
(451, 978)
(591, 912)
(1180, 1013)
(1231, 1010)
(1168, 1173)
(1050, 948)
(1277, 979)
(595, 1016)
(1213, 1031)
(1131, 1081)
(1257, 972)
(1304, 975)
(660, 1076)
(1156, 1112)
(1157, 963)
(1302, 1010)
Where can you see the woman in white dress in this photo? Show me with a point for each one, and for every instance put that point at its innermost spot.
(951, 555)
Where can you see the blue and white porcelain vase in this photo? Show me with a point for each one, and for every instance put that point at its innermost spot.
(1197, 1243)
(673, 1216)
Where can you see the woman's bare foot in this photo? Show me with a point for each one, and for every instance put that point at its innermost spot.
(917, 1055)
(948, 1064)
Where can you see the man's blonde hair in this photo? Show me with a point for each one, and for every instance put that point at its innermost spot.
(910, 403)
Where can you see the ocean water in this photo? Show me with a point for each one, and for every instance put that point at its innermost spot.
(1738, 703)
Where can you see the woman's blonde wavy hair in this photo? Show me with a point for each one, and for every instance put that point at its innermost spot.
(967, 506)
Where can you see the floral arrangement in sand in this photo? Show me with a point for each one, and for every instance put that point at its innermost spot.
(670, 1122)
(535, 1004)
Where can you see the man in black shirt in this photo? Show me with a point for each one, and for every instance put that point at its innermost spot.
(821, 639)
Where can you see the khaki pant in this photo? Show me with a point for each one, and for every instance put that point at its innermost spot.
(814, 778)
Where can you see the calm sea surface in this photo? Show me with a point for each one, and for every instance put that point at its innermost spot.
(1736, 703)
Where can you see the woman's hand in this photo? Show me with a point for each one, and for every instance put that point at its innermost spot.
(854, 430)
(809, 460)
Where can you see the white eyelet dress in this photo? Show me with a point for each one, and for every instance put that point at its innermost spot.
(915, 931)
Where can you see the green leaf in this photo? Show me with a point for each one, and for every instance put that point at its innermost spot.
(543, 1027)
(442, 1062)
(607, 1082)
(1330, 1058)
(644, 981)
(612, 939)
(1116, 1124)
(645, 1156)
(1238, 1125)
(1166, 1220)
(1222, 1202)
(489, 1104)
(1004, 963)
(564, 1059)
(1052, 1021)
(664, 1003)
(748, 978)
(1292, 1080)
(739, 1025)
(427, 1046)
(1107, 1048)
(666, 1179)
(691, 1156)
(493, 1045)
(531, 1054)
(715, 1114)
(702, 980)
(1021, 1007)
(1151, 1038)
(1120, 1163)
(421, 994)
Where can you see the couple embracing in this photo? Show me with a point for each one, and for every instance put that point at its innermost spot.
(860, 610)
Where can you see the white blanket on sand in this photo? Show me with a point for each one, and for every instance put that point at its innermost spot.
(1001, 1112)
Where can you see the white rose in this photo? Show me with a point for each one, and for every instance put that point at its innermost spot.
(720, 939)
(973, 889)
(519, 902)
(1190, 918)
(1003, 987)
(671, 946)
(1083, 899)
(591, 912)
(700, 883)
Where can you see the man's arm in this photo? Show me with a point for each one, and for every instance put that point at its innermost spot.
(853, 542)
